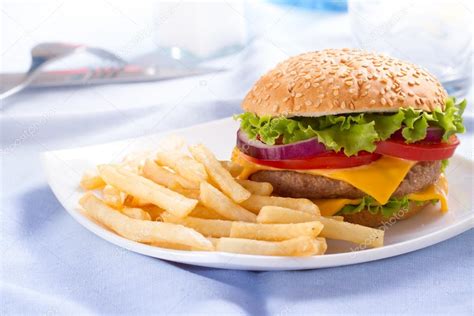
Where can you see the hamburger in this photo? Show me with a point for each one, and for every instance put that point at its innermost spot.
(363, 135)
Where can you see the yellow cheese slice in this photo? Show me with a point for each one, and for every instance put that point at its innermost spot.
(437, 191)
(329, 207)
(378, 179)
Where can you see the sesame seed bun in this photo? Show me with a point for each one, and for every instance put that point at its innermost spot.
(336, 81)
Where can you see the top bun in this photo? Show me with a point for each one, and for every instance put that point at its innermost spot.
(336, 81)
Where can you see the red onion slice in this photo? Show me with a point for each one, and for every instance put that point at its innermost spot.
(433, 135)
(254, 148)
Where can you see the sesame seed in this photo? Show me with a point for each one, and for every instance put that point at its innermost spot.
(307, 84)
(348, 83)
(298, 95)
(383, 101)
(411, 94)
(343, 105)
(308, 103)
(335, 92)
(372, 102)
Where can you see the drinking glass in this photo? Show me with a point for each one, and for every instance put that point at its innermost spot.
(193, 31)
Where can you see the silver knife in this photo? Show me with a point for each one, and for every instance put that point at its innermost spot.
(102, 75)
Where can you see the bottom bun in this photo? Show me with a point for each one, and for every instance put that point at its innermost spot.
(376, 220)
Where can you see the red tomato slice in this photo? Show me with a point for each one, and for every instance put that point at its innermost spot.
(418, 152)
(330, 160)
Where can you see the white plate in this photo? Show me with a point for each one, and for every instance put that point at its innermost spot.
(65, 167)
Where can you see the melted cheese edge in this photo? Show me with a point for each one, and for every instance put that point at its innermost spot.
(436, 191)
(378, 179)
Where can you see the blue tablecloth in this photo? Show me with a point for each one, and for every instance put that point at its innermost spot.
(52, 265)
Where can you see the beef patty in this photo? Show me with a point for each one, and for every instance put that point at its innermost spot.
(302, 185)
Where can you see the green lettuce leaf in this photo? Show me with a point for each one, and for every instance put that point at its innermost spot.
(387, 210)
(444, 164)
(391, 207)
(352, 133)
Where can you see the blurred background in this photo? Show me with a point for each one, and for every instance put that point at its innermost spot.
(177, 55)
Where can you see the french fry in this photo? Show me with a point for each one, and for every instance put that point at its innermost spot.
(189, 193)
(137, 213)
(275, 232)
(321, 245)
(207, 227)
(163, 176)
(219, 175)
(113, 197)
(135, 160)
(333, 228)
(184, 165)
(282, 215)
(213, 240)
(142, 231)
(201, 211)
(234, 168)
(147, 190)
(133, 201)
(174, 246)
(254, 187)
(217, 201)
(358, 234)
(256, 202)
(300, 246)
(91, 180)
(154, 211)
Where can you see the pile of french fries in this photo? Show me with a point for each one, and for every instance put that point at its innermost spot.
(192, 201)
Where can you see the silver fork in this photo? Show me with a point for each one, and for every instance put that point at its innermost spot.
(45, 53)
